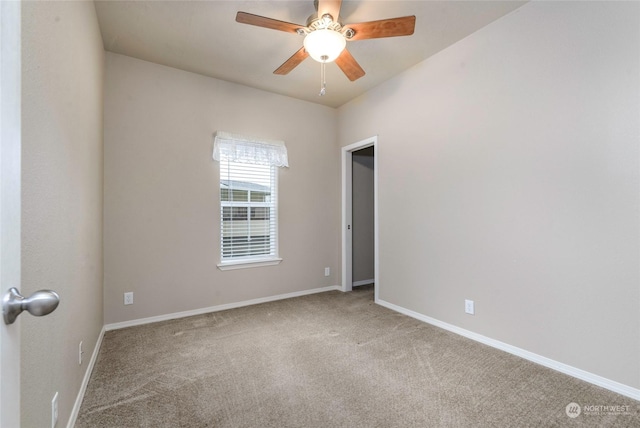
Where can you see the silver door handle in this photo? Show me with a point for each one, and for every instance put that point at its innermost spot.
(40, 303)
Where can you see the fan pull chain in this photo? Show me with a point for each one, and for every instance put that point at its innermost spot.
(323, 76)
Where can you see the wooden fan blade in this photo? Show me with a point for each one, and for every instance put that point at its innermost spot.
(349, 66)
(332, 7)
(384, 28)
(292, 62)
(261, 21)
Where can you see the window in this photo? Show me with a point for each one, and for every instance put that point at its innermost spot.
(248, 207)
(248, 200)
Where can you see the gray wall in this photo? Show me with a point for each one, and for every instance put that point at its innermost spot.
(162, 218)
(363, 215)
(62, 105)
(514, 157)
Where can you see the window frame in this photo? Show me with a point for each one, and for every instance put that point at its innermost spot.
(252, 261)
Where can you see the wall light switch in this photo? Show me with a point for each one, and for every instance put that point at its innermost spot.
(327, 271)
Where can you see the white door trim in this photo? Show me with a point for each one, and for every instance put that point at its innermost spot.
(10, 132)
(347, 201)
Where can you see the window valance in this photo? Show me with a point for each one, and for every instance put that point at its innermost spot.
(239, 148)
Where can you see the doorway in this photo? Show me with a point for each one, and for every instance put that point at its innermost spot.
(360, 215)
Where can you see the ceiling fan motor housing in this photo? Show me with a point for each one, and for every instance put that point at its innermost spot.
(326, 22)
(315, 22)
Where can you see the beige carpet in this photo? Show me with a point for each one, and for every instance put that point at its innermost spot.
(327, 360)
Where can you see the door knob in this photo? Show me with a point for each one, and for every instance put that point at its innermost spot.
(40, 303)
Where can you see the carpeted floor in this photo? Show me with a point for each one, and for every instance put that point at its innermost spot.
(327, 360)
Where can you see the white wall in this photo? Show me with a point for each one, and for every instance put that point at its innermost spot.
(513, 157)
(162, 218)
(62, 106)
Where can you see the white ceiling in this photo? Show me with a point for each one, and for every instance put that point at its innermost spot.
(203, 37)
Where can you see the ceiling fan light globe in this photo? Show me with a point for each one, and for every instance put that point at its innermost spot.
(324, 45)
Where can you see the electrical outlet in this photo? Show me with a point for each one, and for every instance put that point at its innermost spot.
(327, 271)
(469, 307)
(80, 352)
(54, 410)
(128, 298)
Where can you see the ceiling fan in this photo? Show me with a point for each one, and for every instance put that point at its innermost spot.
(326, 37)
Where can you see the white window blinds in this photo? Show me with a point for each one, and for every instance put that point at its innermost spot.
(248, 196)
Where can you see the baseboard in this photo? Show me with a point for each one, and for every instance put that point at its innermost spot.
(175, 315)
(594, 379)
(363, 282)
(85, 381)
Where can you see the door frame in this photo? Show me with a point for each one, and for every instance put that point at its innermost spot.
(347, 213)
(10, 158)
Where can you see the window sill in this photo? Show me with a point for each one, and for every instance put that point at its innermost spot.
(245, 264)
